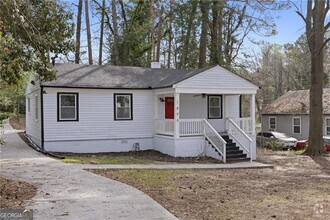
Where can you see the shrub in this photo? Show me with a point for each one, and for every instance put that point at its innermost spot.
(275, 145)
(4, 115)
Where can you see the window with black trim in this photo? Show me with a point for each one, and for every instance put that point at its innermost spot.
(123, 106)
(67, 106)
(214, 107)
(296, 125)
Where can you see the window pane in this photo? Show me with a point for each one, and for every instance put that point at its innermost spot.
(68, 100)
(37, 108)
(328, 130)
(272, 126)
(296, 129)
(272, 121)
(328, 122)
(29, 104)
(296, 121)
(215, 112)
(123, 113)
(215, 101)
(123, 101)
(68, 113)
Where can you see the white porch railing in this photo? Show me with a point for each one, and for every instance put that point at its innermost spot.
(215, 139)
(187, 127)
(164, 126)
(245, 124)
(239, 136)
(190, 127)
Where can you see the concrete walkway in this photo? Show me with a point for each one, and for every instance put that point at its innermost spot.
(65, 191)
(242, 165)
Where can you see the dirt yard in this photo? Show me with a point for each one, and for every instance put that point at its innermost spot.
(14, 194)
(132, 157)
(298, 187)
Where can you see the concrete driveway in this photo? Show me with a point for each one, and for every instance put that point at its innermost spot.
(65, 191)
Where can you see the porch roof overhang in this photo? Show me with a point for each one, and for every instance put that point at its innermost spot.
(229, 91)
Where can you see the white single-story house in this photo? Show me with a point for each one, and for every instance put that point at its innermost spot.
(290, 114)
(183, 113)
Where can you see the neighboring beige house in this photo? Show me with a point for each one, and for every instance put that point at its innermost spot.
(290, 114)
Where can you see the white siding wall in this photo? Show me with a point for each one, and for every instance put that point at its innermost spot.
(232, 106)
(33, 125)
(192, 107)
(218, 78)
(96, 118)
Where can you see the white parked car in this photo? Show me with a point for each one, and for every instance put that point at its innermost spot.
(265, 137)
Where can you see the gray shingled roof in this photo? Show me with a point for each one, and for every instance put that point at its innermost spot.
(94, 76)
(296, 102)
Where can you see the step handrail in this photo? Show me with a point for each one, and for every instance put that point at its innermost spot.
(207, 124)
(244, 134)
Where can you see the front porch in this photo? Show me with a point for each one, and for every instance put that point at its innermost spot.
(195, 126)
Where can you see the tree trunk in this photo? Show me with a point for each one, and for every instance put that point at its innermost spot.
(187, 37)
(101, 32)
(220, 37)
(159, 33)
(170, 35)
(315, 34)
(203, 39)
(115, 32)
(152, 29)
(89, 40)
(214, 34)
(78, 31)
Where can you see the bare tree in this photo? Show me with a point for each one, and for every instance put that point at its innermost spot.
(187, 37)
(115, 32)
(203, 39)
(152, 29)
(101, 32)
(170, 35)
(88, 28)
(78, 31)
(315, 31)
(159, 33)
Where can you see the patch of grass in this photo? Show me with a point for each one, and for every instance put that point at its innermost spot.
(105, 159)
(144, 179)
(296, 152)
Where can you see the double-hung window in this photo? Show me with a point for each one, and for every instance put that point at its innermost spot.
(214, 107)
(123, 107)
(272, 123)
(296, 125)
(327, 126)
(67, 106)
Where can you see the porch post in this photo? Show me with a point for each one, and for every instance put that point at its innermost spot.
(176, 115)
(253, 112)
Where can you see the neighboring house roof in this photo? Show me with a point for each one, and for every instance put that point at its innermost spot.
(96, 76)
(296, 102)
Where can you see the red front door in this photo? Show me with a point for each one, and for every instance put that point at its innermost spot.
(169, 107)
